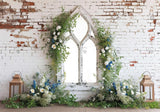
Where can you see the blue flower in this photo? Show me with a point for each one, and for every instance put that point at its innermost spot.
(53, 41)
(126, 87)
(34, 84)
(47, 83)
(108, 39)
(108, 67)
(114, 85)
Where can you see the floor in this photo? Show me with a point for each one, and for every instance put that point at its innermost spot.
(62, 108)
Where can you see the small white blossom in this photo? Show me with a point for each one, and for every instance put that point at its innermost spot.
(103, 78)
(54, 33)
(58, 27)
(104, 54)
(41, 90)
(109, 51)
(54, 46)
(32, 91)
(111, 92)
(102, 50)
(104, 69)
(131, 86)
(106, 63)
(60, 41)
(106, 48)
(55, 37)
(99, 53)
(58, 33)
(123, 93)
(59, 49)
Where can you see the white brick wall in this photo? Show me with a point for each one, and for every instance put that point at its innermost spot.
(131, 27)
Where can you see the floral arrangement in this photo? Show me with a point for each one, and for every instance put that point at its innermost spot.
(42, 93)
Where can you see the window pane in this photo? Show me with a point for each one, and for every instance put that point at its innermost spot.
(81, 28)
(71, 64)
(89, 62)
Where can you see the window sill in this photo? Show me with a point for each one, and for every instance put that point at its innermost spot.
(81, 86)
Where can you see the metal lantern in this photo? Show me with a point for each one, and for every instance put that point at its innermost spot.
(147, 83)
(17, 81)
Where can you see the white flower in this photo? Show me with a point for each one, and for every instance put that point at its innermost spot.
(99, 53)
(106, 48)
(54, 33)
(58, 33)
(58, 27)
(102, 50)
(102, 87)
(132, 92)
(55, 37)
(59, 49)
(37, 93)
(57, 43)
(106, 63)
(66, 34)
(131, 86)
(54, 46)
(32, 91)
(104, 69)
(60, 41)
(47, 87)
(48, 40)
(41, 90)
(46, 91)
(103, 78)
(111, 92)
(109, 51)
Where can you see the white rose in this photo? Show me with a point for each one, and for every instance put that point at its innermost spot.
(106, 48)
(58, 33)
(58, 27)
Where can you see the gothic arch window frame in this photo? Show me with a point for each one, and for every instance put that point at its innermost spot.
(88, 36)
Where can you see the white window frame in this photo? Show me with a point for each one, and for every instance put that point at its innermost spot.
(81, 86)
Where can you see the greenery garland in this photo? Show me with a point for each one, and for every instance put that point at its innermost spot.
(57, 50)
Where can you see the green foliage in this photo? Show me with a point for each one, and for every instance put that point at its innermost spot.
(57, 50)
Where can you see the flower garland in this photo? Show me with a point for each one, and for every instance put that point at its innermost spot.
(57, 50)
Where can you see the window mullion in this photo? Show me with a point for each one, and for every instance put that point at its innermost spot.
(80, 64)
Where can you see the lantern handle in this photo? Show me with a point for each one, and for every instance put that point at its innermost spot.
(17, 72)
(148, 73)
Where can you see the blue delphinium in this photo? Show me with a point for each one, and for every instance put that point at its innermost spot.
(53, 41)
(34, 84)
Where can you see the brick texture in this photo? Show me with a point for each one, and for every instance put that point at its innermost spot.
(136, 24)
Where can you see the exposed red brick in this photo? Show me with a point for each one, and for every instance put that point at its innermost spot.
(131, 65)
(22, 20)
(154, 21)
(133, 61)
(18, 45)
(27, 10)
(151, 30)
(3, 3)
(128, 4)
(25, 3)
(42, 30)
(152, 38)
(33, 42)
(22, 42)
(10, 26)
(20, 36)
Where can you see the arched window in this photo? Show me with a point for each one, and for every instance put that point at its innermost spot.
(81, 65)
